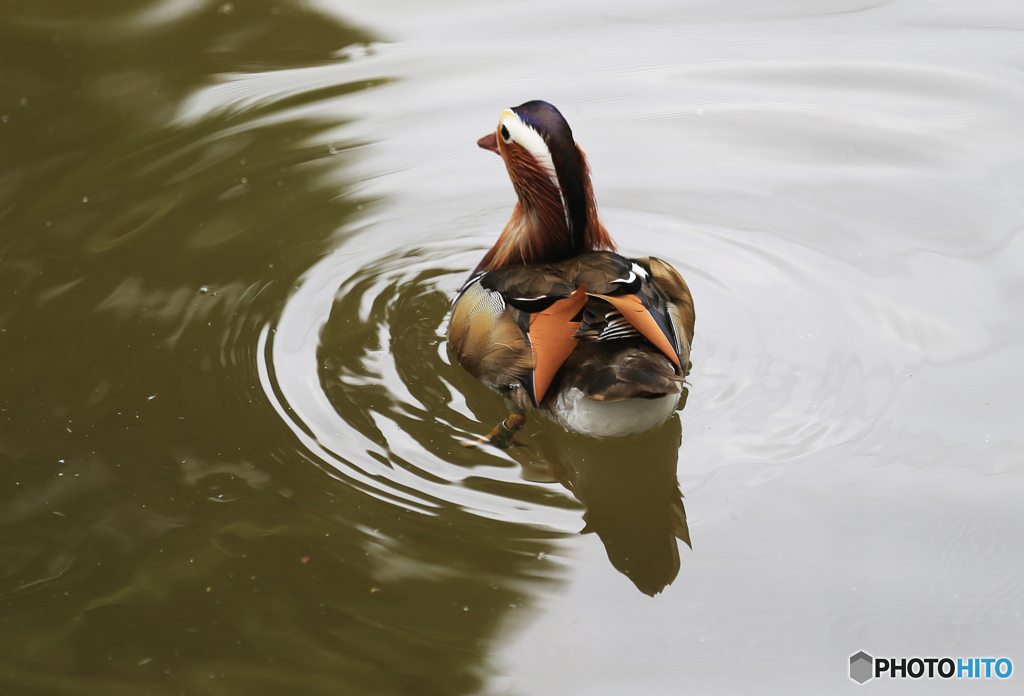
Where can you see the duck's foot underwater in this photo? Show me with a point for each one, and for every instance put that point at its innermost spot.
(503, 435)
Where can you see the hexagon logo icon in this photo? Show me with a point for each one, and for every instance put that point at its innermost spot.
(861, 666)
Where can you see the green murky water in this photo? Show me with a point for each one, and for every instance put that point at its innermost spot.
(231, 453)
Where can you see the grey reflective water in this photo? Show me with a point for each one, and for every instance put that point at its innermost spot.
(231, 433)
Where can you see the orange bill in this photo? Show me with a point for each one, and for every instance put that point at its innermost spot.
(633, 310)
(489, 142)
(551, 333)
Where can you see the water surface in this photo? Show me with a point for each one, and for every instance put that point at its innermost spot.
(232, 437)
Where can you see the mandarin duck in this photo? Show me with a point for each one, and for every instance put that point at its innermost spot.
(553, 319)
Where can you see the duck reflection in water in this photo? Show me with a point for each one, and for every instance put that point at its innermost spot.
(629, 491)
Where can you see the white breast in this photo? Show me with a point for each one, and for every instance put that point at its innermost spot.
(610, 418)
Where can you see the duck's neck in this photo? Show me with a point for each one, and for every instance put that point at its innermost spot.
(554, 219)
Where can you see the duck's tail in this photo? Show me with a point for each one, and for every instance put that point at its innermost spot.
(619, 370)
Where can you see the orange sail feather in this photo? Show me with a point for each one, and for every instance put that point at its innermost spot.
(551, 333)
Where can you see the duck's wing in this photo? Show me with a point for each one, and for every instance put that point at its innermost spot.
(512, 331)
(489, 339)
(678, 302)
(648, 294)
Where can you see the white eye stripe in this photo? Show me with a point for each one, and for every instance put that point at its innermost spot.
(527, 137)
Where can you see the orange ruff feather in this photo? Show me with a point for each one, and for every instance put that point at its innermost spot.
(633, 310)
(551, 334)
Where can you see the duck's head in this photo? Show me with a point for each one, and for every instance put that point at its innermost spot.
(556, 217)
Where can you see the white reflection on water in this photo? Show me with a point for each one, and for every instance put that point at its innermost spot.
(841, 184)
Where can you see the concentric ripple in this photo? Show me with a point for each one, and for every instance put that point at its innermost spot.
(357, 365)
